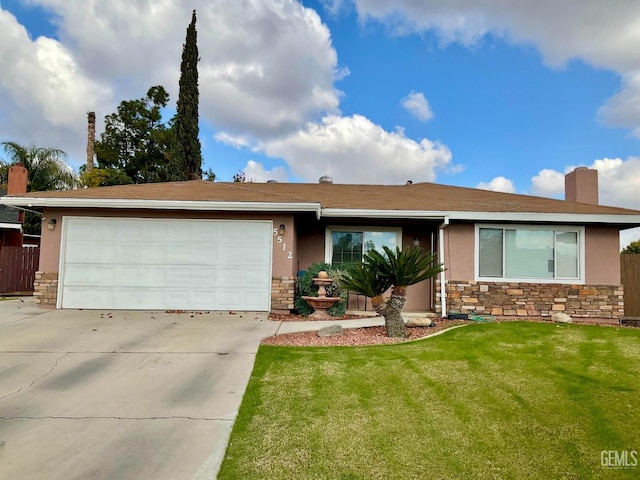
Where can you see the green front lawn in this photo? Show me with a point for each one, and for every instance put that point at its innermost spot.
(500, 401)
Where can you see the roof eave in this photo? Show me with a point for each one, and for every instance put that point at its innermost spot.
(629, 220)
(10, 226)
(522, 217)
(119, 203)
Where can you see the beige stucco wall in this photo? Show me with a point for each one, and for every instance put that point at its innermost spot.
(282, 264)
(602, 255)
(459, 251)
(310, 246)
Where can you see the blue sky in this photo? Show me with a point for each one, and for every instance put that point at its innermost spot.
(501, 96)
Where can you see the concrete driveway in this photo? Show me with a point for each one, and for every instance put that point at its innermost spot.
(120, 395)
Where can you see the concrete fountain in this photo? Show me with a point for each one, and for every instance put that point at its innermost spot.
(321, 303)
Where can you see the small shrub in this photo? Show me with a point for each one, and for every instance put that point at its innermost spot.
(307, 288)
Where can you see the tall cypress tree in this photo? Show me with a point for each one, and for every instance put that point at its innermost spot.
(186, 155)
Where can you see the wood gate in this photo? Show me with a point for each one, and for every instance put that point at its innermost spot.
(630, 274)
(18, 267)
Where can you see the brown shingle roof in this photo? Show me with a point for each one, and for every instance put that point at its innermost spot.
(418, 196)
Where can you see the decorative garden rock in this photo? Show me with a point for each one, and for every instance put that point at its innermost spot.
(560, 317)
(419, 322)
(331, 331)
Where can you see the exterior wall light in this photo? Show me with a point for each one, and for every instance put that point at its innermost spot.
(52, 224)
(416, 241)
(281, 229)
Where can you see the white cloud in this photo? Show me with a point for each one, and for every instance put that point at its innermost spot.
(355, 150)
(618, 185)
(44, 92)
(623, 109)
(235, 141)
(618, 181)
(418, 106)
(548, 183)
(266, 68)
(602, 34)
(628, 236)
(255, 172)
(498, 184)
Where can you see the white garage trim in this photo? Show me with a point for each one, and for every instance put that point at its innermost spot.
(165, 264)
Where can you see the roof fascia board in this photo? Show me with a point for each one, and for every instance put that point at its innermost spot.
(159, 204)
(524, 217)
(485, 216)
(365, 213)
(11, 226)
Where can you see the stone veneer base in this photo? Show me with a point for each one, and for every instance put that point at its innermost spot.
(45, 288)
(282, 293)
(533, 299)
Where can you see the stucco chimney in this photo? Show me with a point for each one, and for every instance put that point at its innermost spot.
(17, 181)
(581, 185)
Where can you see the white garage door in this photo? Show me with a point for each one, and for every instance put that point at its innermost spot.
(138, 263)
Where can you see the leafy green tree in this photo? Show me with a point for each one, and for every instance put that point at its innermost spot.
(633, 247)
(104, 177)
(46, 167)
(135, 145)
(396, 270)
(46, 170)
(186, 154)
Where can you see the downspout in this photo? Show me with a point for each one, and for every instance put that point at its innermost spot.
(443, 285)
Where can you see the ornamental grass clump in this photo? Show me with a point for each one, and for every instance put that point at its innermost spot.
(396, 270)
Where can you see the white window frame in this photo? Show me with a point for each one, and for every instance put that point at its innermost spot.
(328, 239)
(580, 230)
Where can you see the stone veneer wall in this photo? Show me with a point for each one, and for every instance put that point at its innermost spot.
(45, 288)
(533, 299)
(282, 293)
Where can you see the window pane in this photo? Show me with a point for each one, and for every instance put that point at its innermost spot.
(567, 255)
(529, 253)
(347, 247)
(376, 240)
(490, 252)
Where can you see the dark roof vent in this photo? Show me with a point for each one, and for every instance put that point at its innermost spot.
(325, 179)
(272, 181)
(409, 182)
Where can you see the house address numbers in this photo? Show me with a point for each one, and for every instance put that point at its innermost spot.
(284, 245)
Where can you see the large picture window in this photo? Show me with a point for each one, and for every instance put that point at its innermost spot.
(347, 245)
(529, 253)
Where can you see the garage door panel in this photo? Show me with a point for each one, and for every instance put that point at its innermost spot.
(252, 277)
(166, 264)
(99, 275)
(251, 298)
(78, 296)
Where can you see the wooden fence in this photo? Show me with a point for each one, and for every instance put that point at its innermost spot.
(18, 267)
(630, 274)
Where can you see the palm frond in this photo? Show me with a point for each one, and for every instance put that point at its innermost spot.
(407, 267)
(363, 278)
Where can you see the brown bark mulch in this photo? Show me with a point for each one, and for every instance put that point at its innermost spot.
(378, 335)
(358, 336)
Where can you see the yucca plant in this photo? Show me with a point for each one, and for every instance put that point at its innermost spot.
(396, 269)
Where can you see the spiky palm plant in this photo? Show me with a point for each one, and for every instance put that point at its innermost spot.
(396, 269)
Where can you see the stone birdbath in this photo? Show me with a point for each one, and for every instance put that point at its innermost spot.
(321, 303)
